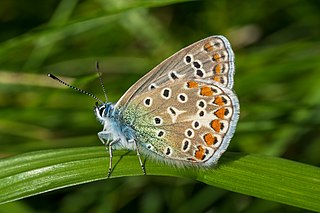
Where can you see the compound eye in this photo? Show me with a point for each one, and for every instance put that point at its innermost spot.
(101, 111)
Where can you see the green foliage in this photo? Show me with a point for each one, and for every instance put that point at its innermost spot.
(277, 81)
(270, 178)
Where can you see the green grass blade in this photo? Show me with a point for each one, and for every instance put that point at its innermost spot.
(268, 178)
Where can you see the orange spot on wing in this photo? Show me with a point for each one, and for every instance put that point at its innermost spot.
(200, 153)
(216, 126)
(219, 101)
(192, 84)
(217, 69)
(209, 139)
(216, 57)
(216, 78)
(220, 113)
(208, 47)
(206, 91)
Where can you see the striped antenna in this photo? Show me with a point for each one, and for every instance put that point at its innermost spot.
(75, 88)
(101, 83)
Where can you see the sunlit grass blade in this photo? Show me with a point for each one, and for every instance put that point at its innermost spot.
(268, 178)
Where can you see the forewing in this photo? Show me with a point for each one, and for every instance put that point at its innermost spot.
(211, 58)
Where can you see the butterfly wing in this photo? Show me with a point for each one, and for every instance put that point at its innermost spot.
(210, 58)
(184, 110)
(188, 121)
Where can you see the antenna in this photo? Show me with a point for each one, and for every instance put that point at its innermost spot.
(101, 83)
(75, 88)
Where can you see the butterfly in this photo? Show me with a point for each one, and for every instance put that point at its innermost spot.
(183, 112)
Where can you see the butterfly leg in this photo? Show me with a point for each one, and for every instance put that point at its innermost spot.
(105, 139)
(110, 156)
(138, 154)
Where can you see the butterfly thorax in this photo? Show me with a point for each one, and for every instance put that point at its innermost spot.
(114, 131)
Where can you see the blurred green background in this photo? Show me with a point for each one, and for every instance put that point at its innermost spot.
(277, 80)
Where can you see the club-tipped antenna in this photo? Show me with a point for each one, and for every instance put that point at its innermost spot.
(75, 88)
(101, 82)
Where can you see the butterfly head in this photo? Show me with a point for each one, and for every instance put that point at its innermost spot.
(103, 111)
